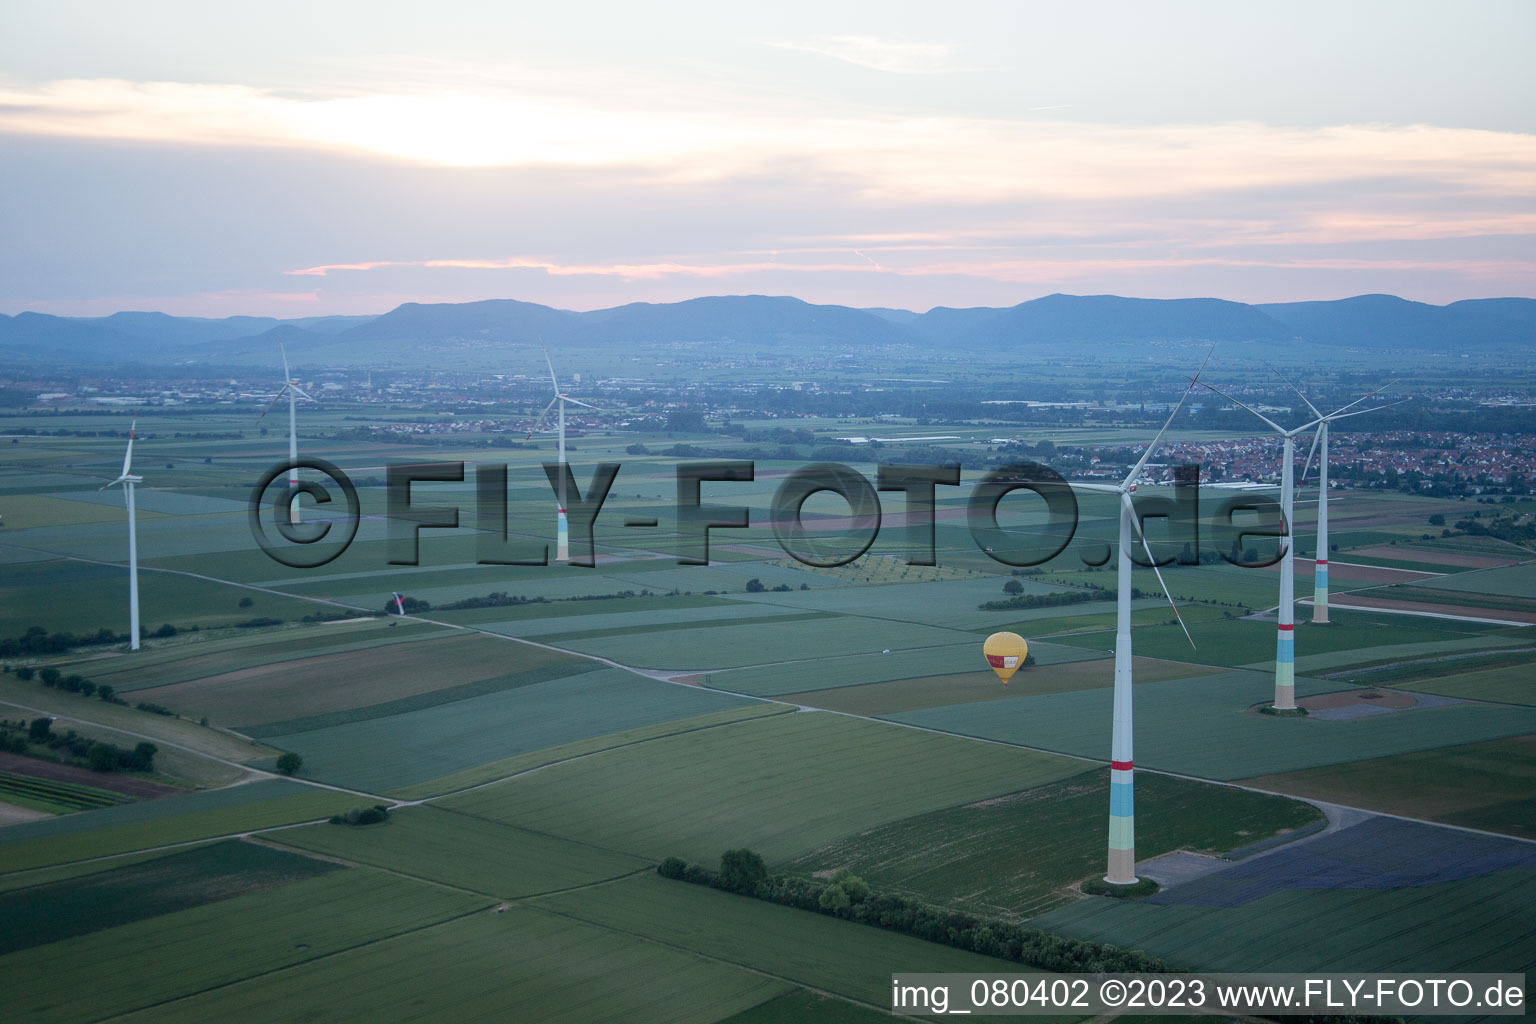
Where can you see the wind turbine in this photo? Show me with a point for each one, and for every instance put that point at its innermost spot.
(1320, 447)
(127, 479)
(291, 387)
(1122, 817)
(562, 542)
(1285, 635)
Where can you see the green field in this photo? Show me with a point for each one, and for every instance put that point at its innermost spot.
(82, 597)
(493, 771)
(469, 853)
(1202, 726)
(203, 948)
(852, 960)
(331, 683)
(1487, 785)
(969, 687)
(857, 670)
(1509, 581)
(735, 646)
(1020, 855)
(155, 823)
(381, 754)
(475, 968)
(779, 785)
(1479, 924)
(115, 896)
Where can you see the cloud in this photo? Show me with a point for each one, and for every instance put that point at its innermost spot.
(880, 54)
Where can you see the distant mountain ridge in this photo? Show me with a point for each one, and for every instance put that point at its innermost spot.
(1381, 322)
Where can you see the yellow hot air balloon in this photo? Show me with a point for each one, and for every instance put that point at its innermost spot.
(1005, 653)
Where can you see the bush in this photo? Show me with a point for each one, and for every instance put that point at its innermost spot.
(153, 708)
(41, 730)
(25, 673)
(105, 692)
(672, 867)
(755, 586)
(288, 762)
(246, 602)
(101, 757)
(87, 688)
(50, 676)
(165, 631)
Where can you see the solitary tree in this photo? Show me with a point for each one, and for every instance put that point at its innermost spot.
(1013, 587)
(741, 870)
(288, 762)
(755, 586)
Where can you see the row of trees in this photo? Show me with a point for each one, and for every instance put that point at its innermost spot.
(54, 679)
(851, 898)
(20, 737)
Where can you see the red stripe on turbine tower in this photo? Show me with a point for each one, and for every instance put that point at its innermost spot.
(1287, 626)
(1120, 766)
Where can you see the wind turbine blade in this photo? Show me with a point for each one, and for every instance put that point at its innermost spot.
(1362, 412)
(287, 376)
(1147, 455)
(281, 391)
(584, 405)
(552, 379)
(1096, 488)
(301, 392)
(1273, 425)
(113, 483)
(1152, 560)
(1315, 410)
(128, 455)
(1316, 437)
(538, 423)
(1366, 396)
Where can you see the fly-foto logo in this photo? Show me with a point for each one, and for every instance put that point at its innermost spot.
(825, 543)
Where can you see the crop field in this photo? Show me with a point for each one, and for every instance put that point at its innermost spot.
(1509, 581)
(201, 948)
(493, 771)
(1508, 684)
(140, 826)
(971, 857)
(779, 785)
(53, 795)
(327, 683)
(1202, 727)
(1488, 785)
(851, 960)
(735, 646)
(470, 853)
(22, 511)
(803, 676)
(549, 967)
(380, 754)
(889, 698)
(166, 664)
(1476, 924)
(115, 896)
(1232, 642)
(82, 597)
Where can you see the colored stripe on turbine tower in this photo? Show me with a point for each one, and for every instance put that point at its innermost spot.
(1120, 766)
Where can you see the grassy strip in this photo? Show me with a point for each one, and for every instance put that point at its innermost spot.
(509, 766)
(1380, 672)
(72, 796)
(1447, 596)
(592, 634)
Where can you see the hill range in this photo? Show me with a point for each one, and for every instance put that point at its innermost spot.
(1369, 323)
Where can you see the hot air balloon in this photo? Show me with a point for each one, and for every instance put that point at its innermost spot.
(1005, 653)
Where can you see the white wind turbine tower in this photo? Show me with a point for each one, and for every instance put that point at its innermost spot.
(1320, 447)
(1122, 816)
(562, 543)
(294, 392)
(127, 479)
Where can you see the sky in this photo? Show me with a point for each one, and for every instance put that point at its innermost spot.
(302, 159)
